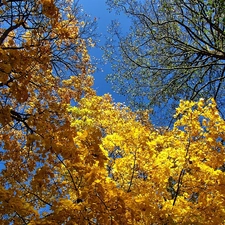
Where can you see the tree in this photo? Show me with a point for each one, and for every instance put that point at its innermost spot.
(44, 66)
(111, 166)
(150, 176)
(94, 161)
(42, 45)
(174, 50)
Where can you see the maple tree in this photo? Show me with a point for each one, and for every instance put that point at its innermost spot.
(145, 175)
(44, 65)
(94, 162)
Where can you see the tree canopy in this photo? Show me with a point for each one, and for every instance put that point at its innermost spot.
(69, 156)
(173, 50)
(42, 46)
(44, 65)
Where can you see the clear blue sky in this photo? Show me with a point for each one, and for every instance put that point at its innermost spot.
(98, 9)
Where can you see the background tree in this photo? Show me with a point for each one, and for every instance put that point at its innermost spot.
(174, 50)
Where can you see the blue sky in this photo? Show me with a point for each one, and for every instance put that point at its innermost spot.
(98, 9)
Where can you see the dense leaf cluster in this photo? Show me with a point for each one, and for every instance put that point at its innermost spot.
(94, 162)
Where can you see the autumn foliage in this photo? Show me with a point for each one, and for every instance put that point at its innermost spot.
(69, 156)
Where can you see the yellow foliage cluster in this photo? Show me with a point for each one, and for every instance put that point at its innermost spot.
(43, 67)
(97, 162)
(106, 167)
(174, 177)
